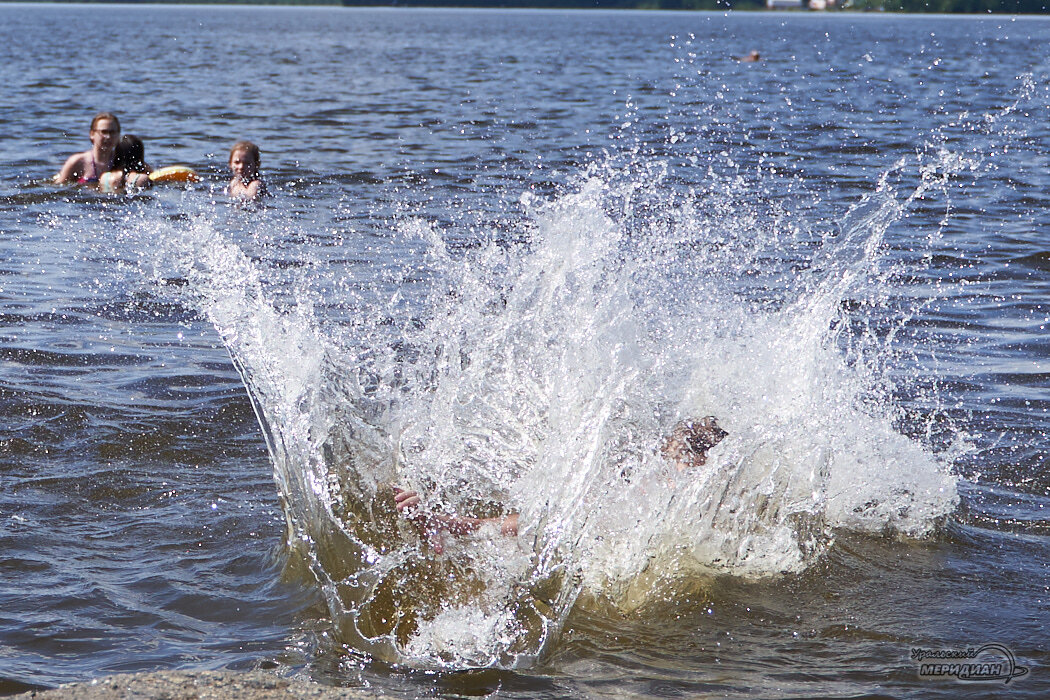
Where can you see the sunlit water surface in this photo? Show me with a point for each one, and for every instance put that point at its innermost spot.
(506, 252)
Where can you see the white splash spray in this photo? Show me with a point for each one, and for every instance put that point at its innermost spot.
(540, 378)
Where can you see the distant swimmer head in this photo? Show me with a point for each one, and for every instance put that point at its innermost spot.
(101, 116)
(687, 444)
(105, 130)
(130, 155)
(245, 160)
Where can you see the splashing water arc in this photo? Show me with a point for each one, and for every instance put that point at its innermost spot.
(539, 377)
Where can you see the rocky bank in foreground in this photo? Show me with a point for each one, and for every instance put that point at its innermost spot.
(198, 685)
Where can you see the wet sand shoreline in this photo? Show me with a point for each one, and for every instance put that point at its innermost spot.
(198, 685)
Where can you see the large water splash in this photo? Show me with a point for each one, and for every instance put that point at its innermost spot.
(536, 371)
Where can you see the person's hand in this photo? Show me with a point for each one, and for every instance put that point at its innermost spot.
(433, 526)
(409, 504)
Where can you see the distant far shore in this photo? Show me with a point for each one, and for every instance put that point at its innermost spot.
(980, 7)
(494, 4)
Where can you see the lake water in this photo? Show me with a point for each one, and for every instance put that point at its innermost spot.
(506, 252)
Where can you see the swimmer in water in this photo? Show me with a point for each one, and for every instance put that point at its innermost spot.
(130, 171)
(752, 57)
(244, 164)
(686, 447)
(87, 167)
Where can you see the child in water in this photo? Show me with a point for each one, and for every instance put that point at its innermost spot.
(87, 167)
(244, 164)
(129, 167)
(685, 447)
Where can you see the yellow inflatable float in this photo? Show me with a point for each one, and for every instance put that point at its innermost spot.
(175, 173)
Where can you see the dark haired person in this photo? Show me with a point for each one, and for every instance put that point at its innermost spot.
(130, 171)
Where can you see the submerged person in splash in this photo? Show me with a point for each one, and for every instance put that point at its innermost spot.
(688, 442)
(686, 447)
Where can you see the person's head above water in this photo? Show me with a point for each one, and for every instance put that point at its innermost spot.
(130, 155)
(246, 184)
(105, 115)
(687, 444)
(245, 160)
(105, 130)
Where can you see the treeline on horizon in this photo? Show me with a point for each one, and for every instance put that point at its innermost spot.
(1014, 7)
(928, 6)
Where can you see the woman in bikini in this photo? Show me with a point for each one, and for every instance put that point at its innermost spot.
(88, 167)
